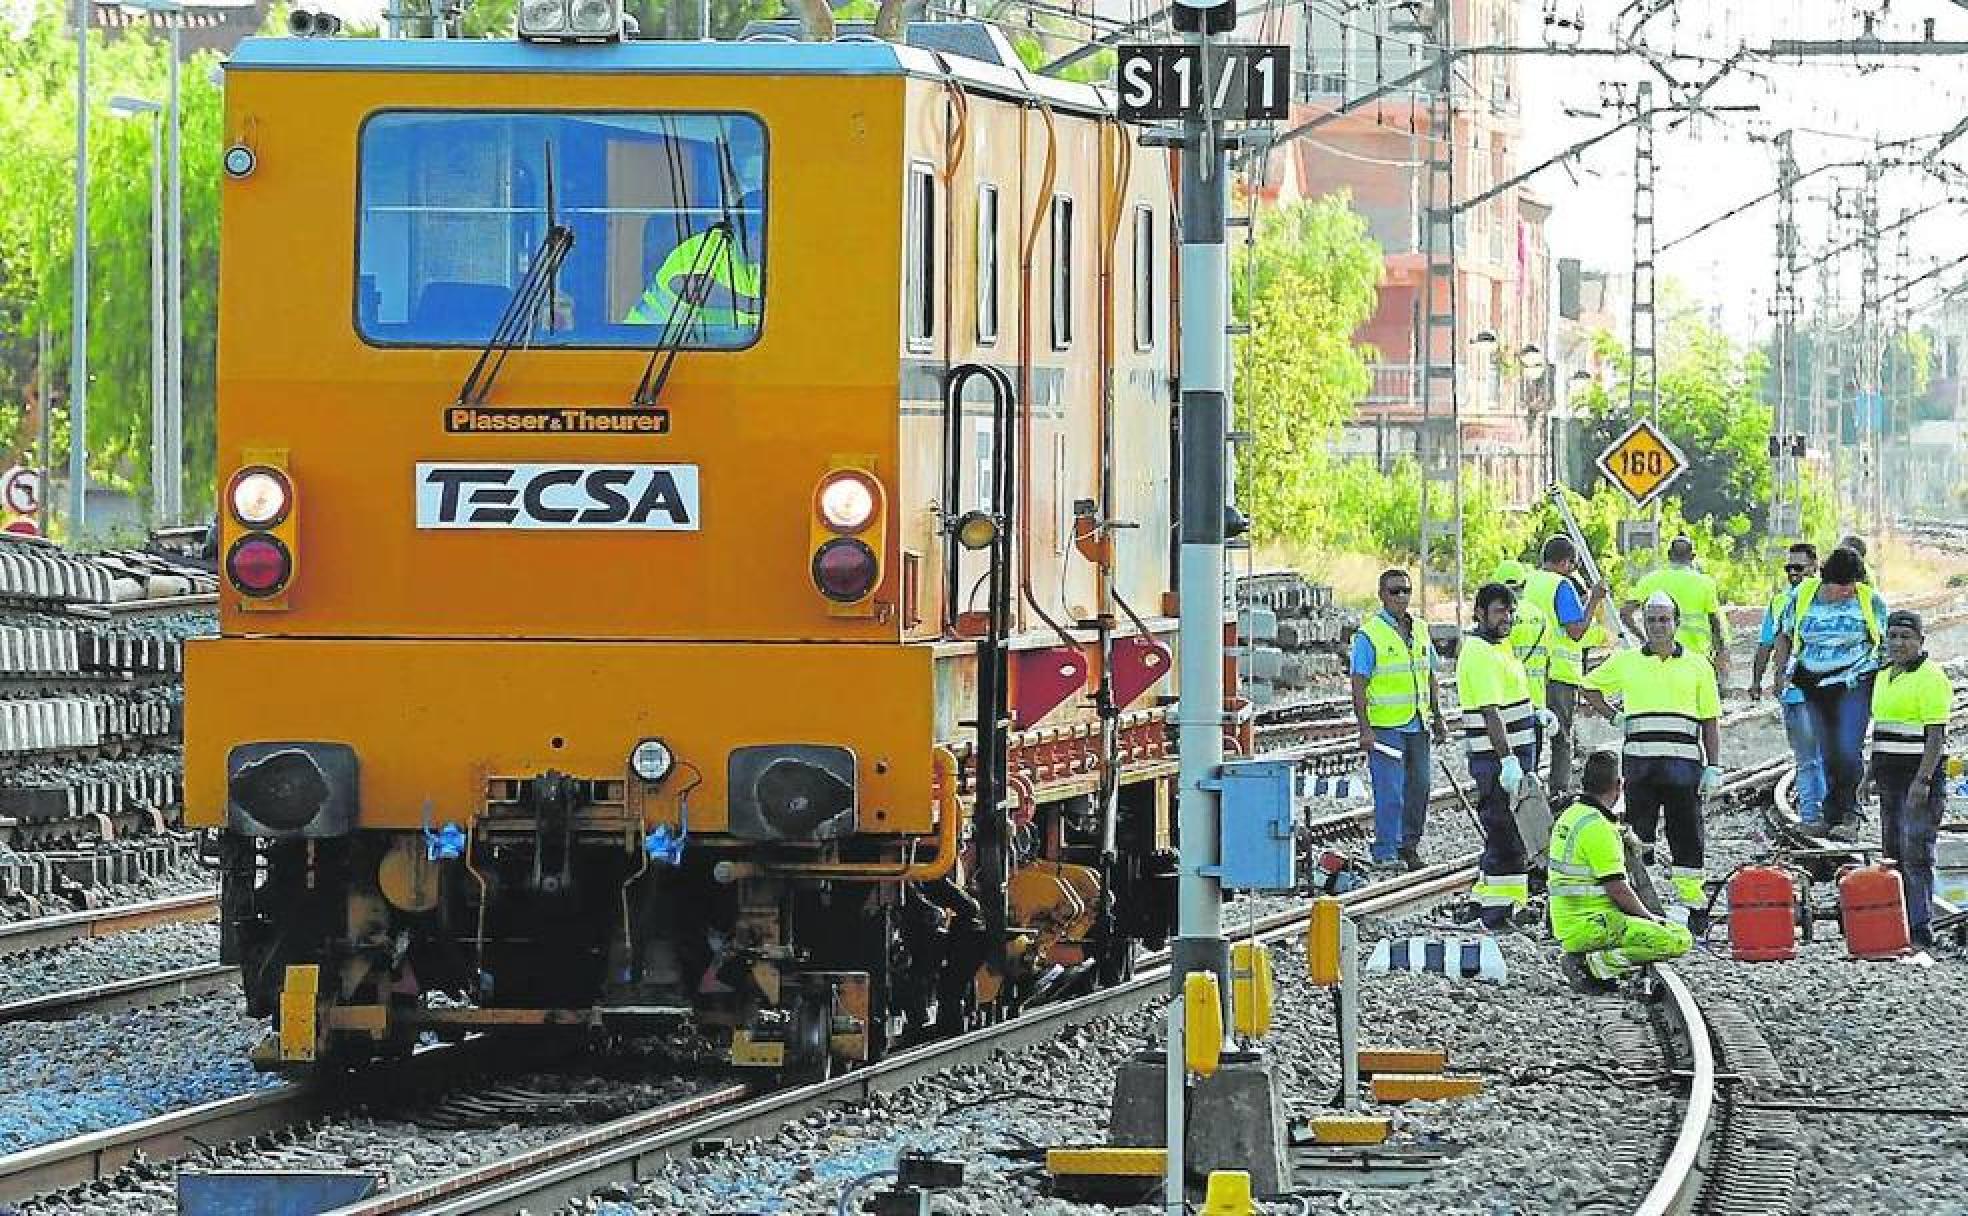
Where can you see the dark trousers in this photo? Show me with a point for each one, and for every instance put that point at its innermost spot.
(1840, 714)
(1664, 789)
(1504, 854)
(1562, 700)
(1909, 821)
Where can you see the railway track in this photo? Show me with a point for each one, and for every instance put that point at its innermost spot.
(1711, 1165)
(119, 995)
(45, 931)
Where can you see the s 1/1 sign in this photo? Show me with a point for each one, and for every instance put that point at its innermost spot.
(1168, 81)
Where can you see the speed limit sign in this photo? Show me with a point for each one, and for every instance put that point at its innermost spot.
(20, 490)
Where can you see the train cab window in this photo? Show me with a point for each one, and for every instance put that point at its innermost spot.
(1144, 278)
(667, 212)
(987, 265)
(1062, 272)
(919, 272)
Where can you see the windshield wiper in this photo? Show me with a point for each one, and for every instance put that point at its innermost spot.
(517, 321)
(697, 287)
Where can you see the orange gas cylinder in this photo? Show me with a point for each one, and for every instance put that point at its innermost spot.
(1872, 903)
(1762, 915)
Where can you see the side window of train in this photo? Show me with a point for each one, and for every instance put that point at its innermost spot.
(1144, 277)
(1062, 272)
(919, 271)
(987, 265)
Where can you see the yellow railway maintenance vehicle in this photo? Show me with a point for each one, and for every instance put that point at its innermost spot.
(695, 527)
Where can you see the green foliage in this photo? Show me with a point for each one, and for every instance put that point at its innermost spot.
(37, 201)
(1711, 405)
(1365, 508)
(1310, 282)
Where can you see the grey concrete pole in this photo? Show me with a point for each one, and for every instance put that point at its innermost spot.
(172, 508)
(78, 355)
(159, 427)
(1205, 185)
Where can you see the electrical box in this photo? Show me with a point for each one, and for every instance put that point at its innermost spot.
(1260, 845)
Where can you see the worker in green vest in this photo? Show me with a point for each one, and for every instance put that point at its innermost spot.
(1605, 929)
(1911, 701)
(1551, 590)
(1703, 628)
(1499, 731)
(1671, 713)
(1393, 680)
(1530, 636)
(710, 285)
(711, 270)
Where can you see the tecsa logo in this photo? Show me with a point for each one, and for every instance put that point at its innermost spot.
(650, 497)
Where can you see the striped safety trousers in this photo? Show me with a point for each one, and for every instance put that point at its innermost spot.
(1615, 944)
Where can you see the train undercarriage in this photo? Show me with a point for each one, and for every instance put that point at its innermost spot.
(551, 915)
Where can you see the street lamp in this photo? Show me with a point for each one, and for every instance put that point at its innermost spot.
(171, 437)
(1531, 362)
(137, 107)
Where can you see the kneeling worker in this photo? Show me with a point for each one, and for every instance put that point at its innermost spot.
(1499, 731)
(1910, 705)
(1673, 741)
(1597, 917)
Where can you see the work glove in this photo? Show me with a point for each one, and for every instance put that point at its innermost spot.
(1711, 780)
(1549, 721)
(1512, 775)
(1619, 723)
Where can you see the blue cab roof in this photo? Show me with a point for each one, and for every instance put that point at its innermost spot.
(846, 57)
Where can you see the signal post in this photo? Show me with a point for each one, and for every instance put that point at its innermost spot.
(1203, 82)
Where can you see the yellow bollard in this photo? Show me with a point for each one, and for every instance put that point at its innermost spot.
(1202, 1021)
(1322, 942)
(1250, 989)
(1229, 1194)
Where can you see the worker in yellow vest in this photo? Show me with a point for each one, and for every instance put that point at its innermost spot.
(1605, 929)
(1672, 754)
(1911, 701)
(1703, 628)
(1551, 589)
(1499, 731)
(1530, 636)
(1393, 679)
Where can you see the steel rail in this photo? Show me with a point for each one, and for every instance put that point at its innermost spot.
(44, 931)
(1679, 1184)
(140, 992)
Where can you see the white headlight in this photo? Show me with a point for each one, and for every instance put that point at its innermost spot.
(595, 17)
(542, 17)
(651, 760)
(847, 503)
(259, 498)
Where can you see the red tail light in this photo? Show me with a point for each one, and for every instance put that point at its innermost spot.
(259, 564)
(845, 570)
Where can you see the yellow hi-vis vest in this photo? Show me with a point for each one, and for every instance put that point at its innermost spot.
(1399, 682)
(1807, 592)
(1585, 849)
(711, 252)
(1530, 638)
(1567, 655)
(1904, 705)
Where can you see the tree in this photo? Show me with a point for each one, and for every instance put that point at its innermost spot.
(37, 200)
(1311, 280)
(1711, 405)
